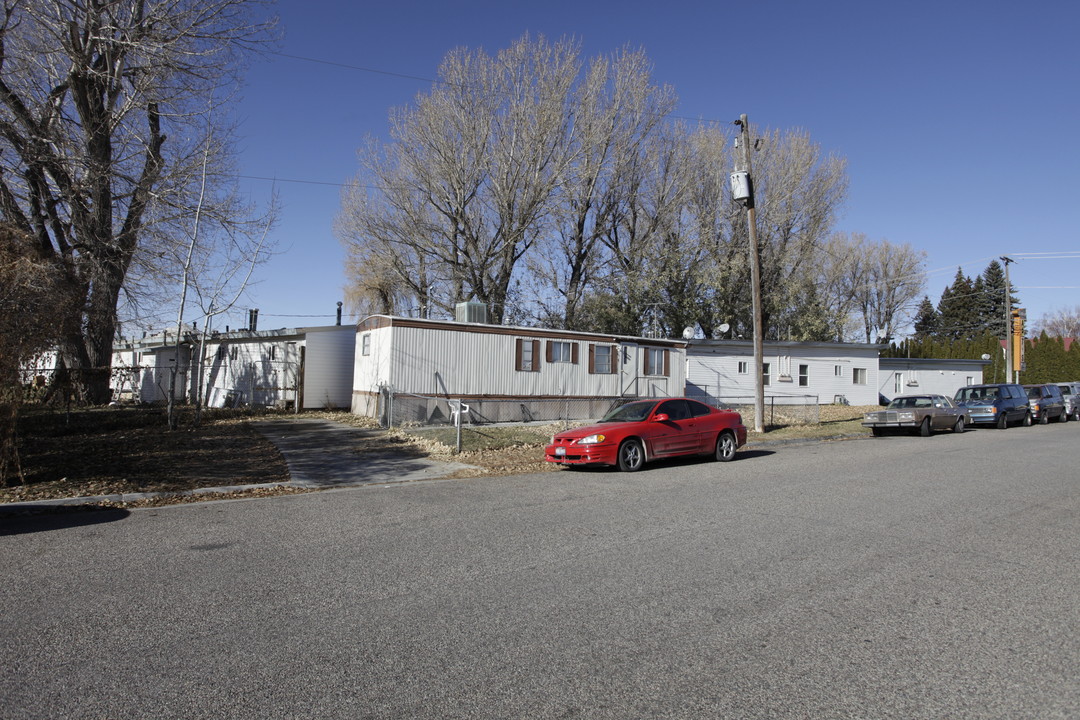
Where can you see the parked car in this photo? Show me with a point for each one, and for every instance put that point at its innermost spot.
(1046, 403)
(999, 404)
(637, 432)
(921, 413)
(1071, 393)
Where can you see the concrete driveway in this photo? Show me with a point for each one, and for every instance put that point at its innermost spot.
(323, 453)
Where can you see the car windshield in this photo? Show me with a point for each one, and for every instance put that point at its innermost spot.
(1065, 390)
(976, 394)
(631, 412)
(1034, 392)
(909, 402)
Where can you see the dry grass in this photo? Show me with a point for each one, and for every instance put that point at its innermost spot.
(130, 450)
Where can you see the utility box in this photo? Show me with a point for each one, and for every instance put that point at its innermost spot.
(472, 312)
(740, 186)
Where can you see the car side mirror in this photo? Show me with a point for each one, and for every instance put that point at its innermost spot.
(662, 417)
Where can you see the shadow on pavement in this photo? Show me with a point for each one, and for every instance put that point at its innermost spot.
(22, 522)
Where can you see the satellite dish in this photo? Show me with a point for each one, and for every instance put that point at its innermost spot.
(986, 356)
(689, 332)
(724, 328)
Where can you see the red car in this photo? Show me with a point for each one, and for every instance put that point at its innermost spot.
(632, 434)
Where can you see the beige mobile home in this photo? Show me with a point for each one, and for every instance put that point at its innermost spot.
(419, 365)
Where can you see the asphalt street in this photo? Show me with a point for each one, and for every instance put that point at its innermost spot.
(897, 577)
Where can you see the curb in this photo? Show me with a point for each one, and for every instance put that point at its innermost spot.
(24, 506)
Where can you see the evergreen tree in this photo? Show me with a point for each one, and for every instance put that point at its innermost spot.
(926, 320)
(956, 312)
(994, 285)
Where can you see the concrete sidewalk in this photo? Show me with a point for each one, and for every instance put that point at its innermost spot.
(320, 454)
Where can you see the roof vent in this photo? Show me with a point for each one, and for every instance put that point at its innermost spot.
(471, 312)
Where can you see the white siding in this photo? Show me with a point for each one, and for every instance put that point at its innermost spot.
(259, 370)
(713, 371)
(927, 376)
(328, 367)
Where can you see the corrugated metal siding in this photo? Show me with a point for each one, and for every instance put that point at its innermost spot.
(328, 368)
(430, 361)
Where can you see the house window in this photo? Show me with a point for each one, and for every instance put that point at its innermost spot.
(365, 344)
(222, 351)
(273, 352)
(234, 352)
(744, 367)
(657, 362)
(560, 351)
(898, 383)
(804, 375)
(765, 373)
(969, 380)
(858, 376)
(527, 355)
(602, 359)
(838, 370)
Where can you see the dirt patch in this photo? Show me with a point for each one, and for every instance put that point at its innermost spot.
(131, 450)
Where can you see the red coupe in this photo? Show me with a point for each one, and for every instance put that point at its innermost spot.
(634, 433)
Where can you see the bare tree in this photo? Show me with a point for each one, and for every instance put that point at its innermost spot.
(100, 140)
(466, 187)
(1062, 322)
(616, 111)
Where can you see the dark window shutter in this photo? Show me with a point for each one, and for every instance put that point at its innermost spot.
(648, 363)
(550, 351)
(592, 359)
(536, 356)
(517, 354)
(667, 363)
(616, 358)
(574, 354)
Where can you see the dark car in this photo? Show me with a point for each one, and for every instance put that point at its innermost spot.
(632, 434)
(1047, 403)
(998, 404)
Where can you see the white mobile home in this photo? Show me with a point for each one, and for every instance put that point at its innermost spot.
(309, 368)
(491, 364)
(793, 372)
(910, 376)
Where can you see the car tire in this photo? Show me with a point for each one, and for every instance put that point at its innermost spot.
(959, 426)
(1043, 418)
(924, 428)
(1063, 417)
(725, 447)
(1002, 420)
(631, 456)
(1028, 421)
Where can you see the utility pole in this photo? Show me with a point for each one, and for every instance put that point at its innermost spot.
(1008, 322)
(742, 187)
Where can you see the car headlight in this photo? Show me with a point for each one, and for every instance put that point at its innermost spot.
(591, 439)
(902, 416)
(870, 417)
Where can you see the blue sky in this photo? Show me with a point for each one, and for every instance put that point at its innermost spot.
(960, 121)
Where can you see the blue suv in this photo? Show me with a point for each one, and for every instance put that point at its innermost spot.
(998, 404)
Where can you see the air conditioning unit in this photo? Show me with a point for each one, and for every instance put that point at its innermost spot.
(471, 312)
